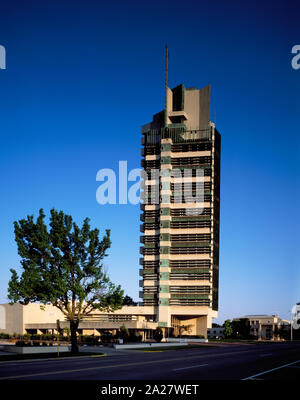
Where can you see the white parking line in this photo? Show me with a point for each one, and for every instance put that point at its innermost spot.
(255, 379)
(193, 366)
(270, 370)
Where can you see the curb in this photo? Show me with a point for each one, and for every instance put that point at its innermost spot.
(53, 359)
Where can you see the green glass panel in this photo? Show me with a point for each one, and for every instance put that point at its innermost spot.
(189, 296)
(149, 296)
(165, 250)
(165, 224)
(164, 276)
(165, 237)
(187, 218)
(164, 302)
(165, 185)
(162, 324)
(166, 147)
(165, 173)
(164, 288)
(188, 244)
(164, 263)
(165, 198)
(165, 211)
(166, 160)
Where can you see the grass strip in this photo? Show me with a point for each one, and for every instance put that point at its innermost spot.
(14, 357)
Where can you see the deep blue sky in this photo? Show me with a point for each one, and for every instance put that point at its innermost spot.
(83, 76)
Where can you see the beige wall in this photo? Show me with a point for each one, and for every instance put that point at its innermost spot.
(11, 320)
(34, 314)
(14, 318)
(192, 108)
(196, 326)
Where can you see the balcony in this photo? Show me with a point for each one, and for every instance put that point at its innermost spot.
(175, 115)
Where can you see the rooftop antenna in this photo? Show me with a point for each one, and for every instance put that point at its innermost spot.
(213, 105)
(166, 85)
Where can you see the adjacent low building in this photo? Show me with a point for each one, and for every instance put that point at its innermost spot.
(33, 318)
(215, 332)
(267, 327)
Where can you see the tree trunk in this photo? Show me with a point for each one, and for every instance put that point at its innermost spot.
(73, 329)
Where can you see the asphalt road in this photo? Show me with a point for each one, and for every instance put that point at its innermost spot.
(233, 362)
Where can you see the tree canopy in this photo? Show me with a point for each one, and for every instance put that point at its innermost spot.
(63, 266)
(128, 301)
(241, 328)
(227, 328)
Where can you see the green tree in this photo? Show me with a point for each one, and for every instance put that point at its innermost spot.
(62, 266)
(227, 328)
(128, 301)
(124, 333)
(241, 328)
(245, 328)
(158, 334)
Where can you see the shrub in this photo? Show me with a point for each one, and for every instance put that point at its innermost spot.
(47, 336)
(124, 333)
(4, 336)
(22, 343)
(36, 337)
(90, 339)
(193, 336)
(158, 334)
(27, 336)
(17, 336)
(44, 336)
(135, 338)
(106, 337)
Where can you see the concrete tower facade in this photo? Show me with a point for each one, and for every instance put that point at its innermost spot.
(180, 253)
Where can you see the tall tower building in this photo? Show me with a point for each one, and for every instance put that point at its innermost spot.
(180, 256)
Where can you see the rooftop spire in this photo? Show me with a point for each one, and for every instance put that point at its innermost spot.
(166, 84)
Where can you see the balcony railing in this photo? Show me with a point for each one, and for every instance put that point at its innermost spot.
(177, 134)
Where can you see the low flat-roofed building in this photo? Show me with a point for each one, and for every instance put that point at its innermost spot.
(215, 332)
(31, 318)
(138, 319)
(266, 327)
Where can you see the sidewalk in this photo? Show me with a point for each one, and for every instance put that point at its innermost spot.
(5, 353)
(110, 351)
